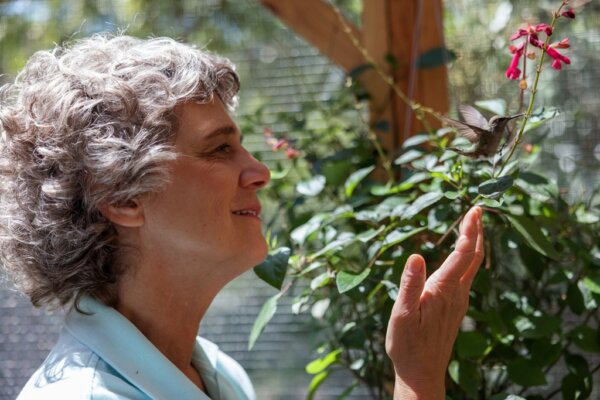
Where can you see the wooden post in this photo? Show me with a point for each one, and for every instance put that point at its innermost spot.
(398, 30)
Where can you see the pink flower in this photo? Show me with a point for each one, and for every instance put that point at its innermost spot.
(570, 13)
(532, 31)
(291, 153)
(513, 72)
(280, 145)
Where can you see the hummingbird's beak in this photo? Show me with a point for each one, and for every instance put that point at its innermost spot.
(516, 116)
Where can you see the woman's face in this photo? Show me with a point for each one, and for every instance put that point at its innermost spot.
(209, 212)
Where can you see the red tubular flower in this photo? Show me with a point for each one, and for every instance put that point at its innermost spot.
(534, 41)
(570, 13)
(557, 58)
(519, 33)
(543, 27)
(513, 72)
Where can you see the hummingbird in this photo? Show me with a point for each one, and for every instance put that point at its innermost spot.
(485, 135)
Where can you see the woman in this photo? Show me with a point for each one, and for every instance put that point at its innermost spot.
(128, 195)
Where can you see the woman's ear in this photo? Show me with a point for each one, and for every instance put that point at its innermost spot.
(129, 214)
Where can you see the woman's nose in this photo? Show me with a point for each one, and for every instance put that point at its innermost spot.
(255, 175)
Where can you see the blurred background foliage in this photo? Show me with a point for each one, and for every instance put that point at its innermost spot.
(288, 88)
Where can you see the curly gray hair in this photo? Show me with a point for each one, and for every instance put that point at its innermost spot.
(83, 125)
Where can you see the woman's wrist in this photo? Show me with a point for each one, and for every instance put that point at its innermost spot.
(424, 390)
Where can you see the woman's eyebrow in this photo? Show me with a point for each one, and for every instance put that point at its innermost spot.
(221, 131)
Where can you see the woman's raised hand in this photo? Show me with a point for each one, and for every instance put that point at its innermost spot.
(428, 313)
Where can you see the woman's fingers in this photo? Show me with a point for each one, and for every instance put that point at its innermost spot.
(479, 253)
(459, 261)
(411, 286)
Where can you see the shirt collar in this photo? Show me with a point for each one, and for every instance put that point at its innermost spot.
(118, 342)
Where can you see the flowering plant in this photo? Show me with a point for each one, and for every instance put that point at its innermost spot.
(342, 240)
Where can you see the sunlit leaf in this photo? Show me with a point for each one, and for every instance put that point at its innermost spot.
(540, 117)
(315, 383)
(354, 179)
(264, 316)
(396, 237)
(409, 156)
(495, 106)
(319, 365)
(347, 281)
(421, 203)
(592, 283)
(311, 187)
(415, 140)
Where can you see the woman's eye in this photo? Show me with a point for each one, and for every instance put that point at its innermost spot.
(222, 149)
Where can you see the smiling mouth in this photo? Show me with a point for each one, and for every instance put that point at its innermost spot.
(251, 213)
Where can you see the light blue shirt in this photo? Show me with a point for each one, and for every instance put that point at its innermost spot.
(103, 356)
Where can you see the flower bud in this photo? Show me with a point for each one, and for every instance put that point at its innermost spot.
(570, 13)
(522, 84)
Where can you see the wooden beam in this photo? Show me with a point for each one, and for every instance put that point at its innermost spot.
(317, 22)
(376, 40)
(416, 27)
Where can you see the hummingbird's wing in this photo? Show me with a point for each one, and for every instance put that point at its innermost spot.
(471, 133)
(473, 117)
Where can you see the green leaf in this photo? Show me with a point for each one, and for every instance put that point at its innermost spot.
(421, 203)
(540, 117)
(495, 106)
(264, 316)
(311, 187)
(345, 239)
(537, 326)
(280, 174)
(533, 235)
(315, 383)
(302, 232)
(533, 178)
(409, 156)
(525, 373)
(347, 281)
(586, 338)
(274, 268)
(396, 237)
(467, 375)
(320, 364)
(435, 57)
(494, 187)
(354, 179)
(576, 387)
(575, 299)
(359, 70)
(415, 140)
(471, 344)
(592, 283)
